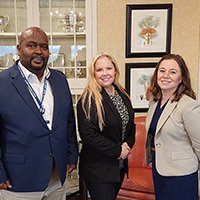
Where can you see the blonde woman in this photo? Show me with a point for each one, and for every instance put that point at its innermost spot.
(106, 127)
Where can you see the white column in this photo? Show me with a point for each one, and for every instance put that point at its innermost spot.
(33, 16)
(91, 28)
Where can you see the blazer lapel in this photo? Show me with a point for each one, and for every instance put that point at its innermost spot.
(165, 114)
(53, 83)
(108, 101)
(21, 87)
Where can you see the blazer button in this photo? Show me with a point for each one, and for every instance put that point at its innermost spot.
(158, 145)
(51, 154)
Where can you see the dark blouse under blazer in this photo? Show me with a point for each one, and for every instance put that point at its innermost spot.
(101, 149)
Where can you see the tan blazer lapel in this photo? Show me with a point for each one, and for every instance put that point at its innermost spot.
(165, 114)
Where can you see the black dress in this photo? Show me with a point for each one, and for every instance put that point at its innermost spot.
(171, 187)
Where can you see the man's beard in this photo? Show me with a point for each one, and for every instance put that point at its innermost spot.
(38, 68)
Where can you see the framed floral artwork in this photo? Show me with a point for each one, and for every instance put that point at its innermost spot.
(137, 80)
(148, 30)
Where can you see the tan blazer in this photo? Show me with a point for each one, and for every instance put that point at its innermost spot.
(177, 137)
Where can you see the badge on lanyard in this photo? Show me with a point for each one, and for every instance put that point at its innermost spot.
(42, 110)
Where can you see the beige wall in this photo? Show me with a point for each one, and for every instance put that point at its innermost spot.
(111, 32)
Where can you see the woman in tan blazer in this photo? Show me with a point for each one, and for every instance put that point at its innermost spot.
(173, 131)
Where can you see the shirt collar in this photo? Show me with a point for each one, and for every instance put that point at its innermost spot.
(28, 74)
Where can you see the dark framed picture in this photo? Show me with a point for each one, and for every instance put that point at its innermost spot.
(148, 30)
(137, 80)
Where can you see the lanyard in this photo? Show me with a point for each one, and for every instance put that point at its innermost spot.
(42, 110)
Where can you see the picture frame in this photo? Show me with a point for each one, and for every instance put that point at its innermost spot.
(137, 80)
(148, 30)
(198, 92)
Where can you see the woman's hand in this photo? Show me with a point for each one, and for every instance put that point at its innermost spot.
(126, 150)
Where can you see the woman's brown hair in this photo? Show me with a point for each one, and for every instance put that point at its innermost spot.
(184, 86)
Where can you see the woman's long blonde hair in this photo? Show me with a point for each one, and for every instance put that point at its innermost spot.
(93, 89)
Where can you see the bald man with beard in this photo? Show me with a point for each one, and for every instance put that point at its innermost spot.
(38, 143)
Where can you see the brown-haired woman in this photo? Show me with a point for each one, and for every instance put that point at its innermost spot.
(173, 131)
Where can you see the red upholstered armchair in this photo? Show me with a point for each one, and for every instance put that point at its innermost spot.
(140, 182)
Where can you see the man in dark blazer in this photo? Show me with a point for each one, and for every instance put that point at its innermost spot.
(38, 143)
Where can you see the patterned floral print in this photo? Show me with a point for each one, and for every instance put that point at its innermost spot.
(123, 111)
